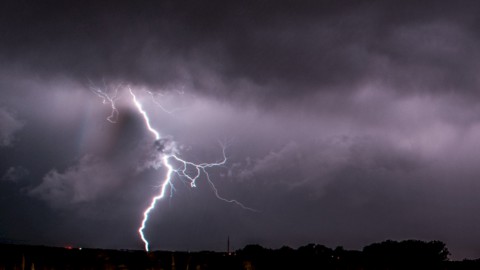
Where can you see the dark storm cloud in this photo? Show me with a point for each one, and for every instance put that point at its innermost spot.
(261, 48)
(14, 174)
(9, 125)
(351, 121)
(84, 182)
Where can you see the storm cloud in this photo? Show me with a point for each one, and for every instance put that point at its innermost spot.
(264, 49)
(9, 125)
(346, 122)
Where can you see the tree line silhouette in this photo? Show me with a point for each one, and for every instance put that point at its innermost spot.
(409, 254)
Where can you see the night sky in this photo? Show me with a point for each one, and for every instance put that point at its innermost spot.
(346, 122)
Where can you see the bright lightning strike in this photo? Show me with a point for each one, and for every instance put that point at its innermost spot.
(168, 154)
(166, 182)
(145, 116)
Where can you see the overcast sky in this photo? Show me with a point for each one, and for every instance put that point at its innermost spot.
(346, 122)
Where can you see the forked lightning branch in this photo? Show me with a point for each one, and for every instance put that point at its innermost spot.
(167, 154)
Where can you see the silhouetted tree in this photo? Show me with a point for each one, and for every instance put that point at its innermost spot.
(406, 254)
(313, 256)
(347, 259)
(256, 255)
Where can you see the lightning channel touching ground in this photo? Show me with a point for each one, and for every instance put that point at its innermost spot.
(168, 154)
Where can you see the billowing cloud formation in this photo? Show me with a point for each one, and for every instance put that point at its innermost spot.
(14, 174)
(8, 126)
(261, 50)
(83, 182)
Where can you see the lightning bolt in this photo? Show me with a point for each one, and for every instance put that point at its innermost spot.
(145, 116)
(168, 154)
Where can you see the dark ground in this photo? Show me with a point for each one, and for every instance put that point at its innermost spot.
(410, 254)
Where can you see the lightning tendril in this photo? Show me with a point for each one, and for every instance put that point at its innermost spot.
(108, 98)
(168, 154)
